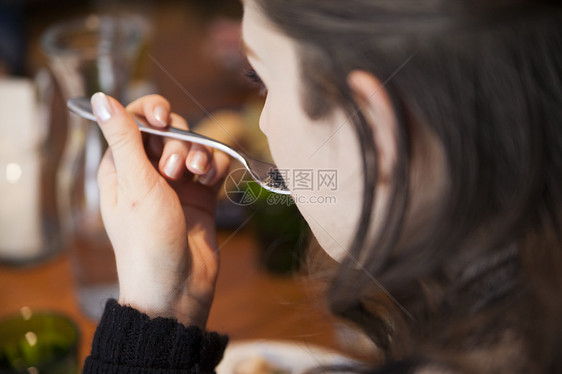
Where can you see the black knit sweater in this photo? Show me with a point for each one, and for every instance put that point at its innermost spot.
(127, 341)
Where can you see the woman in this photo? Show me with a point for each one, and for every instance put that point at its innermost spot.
(443, 116)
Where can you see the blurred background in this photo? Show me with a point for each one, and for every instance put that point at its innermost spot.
(193, 41)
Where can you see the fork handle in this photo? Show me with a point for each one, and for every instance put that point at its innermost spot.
(82, 107)
(186, 135)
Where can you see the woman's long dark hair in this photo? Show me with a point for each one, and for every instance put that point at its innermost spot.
(484, 274)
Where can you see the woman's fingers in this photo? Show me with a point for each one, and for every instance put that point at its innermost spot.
(177, 156)
(107, 179)
(122, 135)
(217, 170)
(199, 159)
(174, 152)
(154, 108)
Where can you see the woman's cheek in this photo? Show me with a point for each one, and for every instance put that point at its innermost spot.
(263, 122)
(272, 124)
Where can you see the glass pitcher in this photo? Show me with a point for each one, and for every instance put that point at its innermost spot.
(96, 53)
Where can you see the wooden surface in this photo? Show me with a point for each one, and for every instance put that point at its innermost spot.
(250, 303)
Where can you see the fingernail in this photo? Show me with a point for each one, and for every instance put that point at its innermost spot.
(208, 178)
(171, 169)
(198, 161)
(101, 106)
(160, 115)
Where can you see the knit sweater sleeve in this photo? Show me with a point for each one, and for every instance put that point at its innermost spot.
(127, 341)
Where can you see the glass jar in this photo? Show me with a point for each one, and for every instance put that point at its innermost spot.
(86, 56)
(29, 226)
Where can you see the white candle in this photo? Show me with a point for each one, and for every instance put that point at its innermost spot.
(20, 171)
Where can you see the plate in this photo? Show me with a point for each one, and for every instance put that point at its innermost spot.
(289, 356)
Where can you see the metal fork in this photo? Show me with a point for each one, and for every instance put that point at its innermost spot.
(264, 173)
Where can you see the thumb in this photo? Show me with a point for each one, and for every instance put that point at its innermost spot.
(122, 135)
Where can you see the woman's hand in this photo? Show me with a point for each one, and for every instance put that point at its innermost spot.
(157, 203)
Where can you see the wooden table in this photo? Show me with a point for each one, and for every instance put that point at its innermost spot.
(250, 303)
